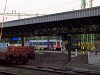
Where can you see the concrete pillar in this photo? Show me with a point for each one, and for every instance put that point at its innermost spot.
(22, 39)
(11, 41)
(69, 47)
(76, 53)
(48, 41)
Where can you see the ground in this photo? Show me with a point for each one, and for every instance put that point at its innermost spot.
(60, 60)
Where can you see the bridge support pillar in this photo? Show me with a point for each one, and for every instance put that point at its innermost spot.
(69, 46)
(11, 41)
(48, 43)
(22, 38)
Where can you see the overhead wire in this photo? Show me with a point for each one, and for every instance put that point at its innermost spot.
(43, 9)
(55, 7)
(3, 20)
(20, 4)
(29, 4)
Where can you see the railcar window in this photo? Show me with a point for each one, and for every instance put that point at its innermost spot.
(30, 43)
(34, 43)
(54, 43)
(39, 43)
(44, 43)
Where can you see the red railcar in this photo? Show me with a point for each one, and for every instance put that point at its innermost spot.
(18, 54)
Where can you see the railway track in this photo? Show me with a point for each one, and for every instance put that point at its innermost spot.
(7, 73)
(51, 70)
(67, 71)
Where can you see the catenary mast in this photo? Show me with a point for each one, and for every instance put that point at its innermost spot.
(83, 4)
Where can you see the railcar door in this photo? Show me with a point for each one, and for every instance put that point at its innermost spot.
(52, 45)
(58, 44)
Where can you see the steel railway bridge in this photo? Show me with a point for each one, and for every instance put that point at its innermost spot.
(72, 22)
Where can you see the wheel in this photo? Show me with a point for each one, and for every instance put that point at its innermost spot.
(7, 60)
(24, 60)
(14, 62)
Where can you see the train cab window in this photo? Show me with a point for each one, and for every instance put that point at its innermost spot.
(61, 43)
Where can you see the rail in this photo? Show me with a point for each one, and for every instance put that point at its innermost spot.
(8, 73)
(67, 71)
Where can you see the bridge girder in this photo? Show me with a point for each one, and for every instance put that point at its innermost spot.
(73, 26)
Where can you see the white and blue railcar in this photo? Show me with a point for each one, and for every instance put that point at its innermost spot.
(44, 44)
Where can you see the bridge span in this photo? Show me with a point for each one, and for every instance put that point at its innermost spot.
(71, 22)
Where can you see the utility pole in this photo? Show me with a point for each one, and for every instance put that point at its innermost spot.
(3, 20)
(83, 4)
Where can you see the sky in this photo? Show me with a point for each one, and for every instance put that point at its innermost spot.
(40, 7)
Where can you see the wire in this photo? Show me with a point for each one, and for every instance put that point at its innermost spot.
(20, 4)
(3, 20)
(56, 7)
(30, 4)
(53, 7)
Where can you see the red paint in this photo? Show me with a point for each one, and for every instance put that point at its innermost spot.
(58, 44)
(18, 53)
(52, 45)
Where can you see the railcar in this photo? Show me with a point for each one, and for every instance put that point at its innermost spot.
(16, 54)
(44, 44)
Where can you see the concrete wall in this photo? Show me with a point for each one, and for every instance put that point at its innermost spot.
(94, 58)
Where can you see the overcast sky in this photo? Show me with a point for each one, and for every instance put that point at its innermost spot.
(41, 6)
